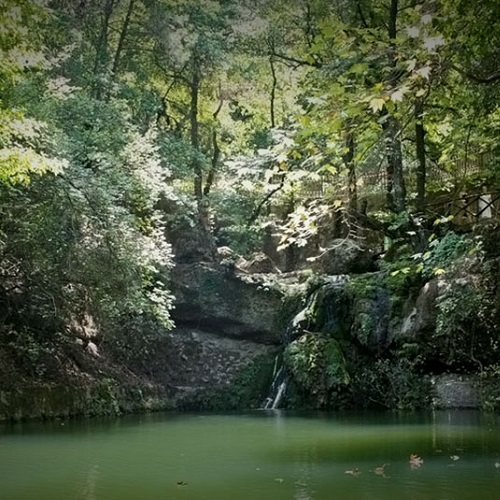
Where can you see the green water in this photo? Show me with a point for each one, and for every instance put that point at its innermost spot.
(261, 455)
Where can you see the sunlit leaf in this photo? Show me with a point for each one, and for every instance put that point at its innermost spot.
(413, 31)
(425, 72)
(415, 462)
(433, 42)
(426, 19)
(377, 104)
(397, 95)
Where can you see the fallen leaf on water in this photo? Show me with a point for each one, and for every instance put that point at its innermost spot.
(415, 462)
(454, 457)
(380, 471)
(353, 472)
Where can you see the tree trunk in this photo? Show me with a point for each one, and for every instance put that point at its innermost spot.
(195, 132)
(123, 35)
(348, 159)
(102, 50)
(202, 205)
(396, 190)
(273, 91)
(420, 146)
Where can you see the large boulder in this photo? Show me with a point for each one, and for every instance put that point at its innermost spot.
(218, 300)
(343, 256)
(258, 263)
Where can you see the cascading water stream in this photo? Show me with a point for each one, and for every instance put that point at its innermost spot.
(277, 389)
(301, 322)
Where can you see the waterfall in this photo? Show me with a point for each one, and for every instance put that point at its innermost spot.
(277, 389)
(327, 298)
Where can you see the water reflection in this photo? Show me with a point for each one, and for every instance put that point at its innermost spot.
(264, 455)
(90, 484)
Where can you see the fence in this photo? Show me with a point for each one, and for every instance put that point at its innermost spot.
(468, 208)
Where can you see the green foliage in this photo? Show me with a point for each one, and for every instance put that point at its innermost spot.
(317, 365)
(242, 239)
(489, 388)
(459, 334)
(390, 383)
(443, 252)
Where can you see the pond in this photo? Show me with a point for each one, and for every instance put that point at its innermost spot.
(261, 455)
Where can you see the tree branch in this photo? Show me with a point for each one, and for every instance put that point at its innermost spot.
(297, 62)
(258, 208)
(492, 78)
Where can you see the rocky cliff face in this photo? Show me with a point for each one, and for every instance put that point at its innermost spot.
(215, 299)
(228, 323)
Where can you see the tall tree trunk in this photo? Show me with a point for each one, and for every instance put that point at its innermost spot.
(215, 148)
(195, 130)
(421, 172)
(273, 91)
(349, 163)
(396, 190)
(206, 241)
(123, 36)
(102, 49)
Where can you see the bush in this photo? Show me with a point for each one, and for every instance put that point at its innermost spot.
(394, 384)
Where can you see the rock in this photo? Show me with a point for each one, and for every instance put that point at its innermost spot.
(344, 256)
(226, 253)
(371, 320)
(455, 391)
(215, 301)
(258, 263)
(193, 359)
(92, 349)
(422, 317)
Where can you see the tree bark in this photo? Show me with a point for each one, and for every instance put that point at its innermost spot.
(206, 242)
(102, 49)
(123, 36)
(273, 91)
(348, 159)
(396, 190)
(195, 130)
(421, 172)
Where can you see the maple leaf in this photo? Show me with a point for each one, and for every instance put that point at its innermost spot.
(397, 95)
(415, 462)
(413, 31)
(411, 64)
(424, 72)
(433, 42)
(426, 19)
(377, 104)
